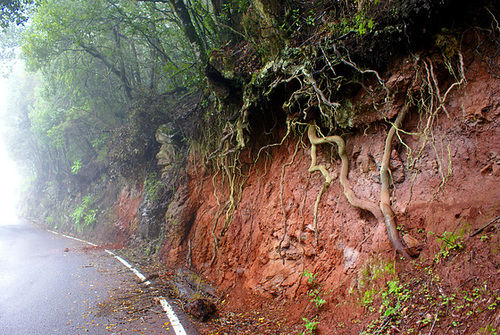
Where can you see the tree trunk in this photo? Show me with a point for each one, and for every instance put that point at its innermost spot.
(197, 44)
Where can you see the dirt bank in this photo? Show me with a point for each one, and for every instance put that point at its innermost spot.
(446, 184)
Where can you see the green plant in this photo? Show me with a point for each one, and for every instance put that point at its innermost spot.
(311, 277)
(368, 282)
(90, 217)
(76, 167)
(98, 142)
(316, 298)
(368, 298)
(83, 214)
(362, 24)
(315, 293)
(310, 325)
(153, 186)
(489, 329)
(79, 213)
(451, 241)
(392, 298)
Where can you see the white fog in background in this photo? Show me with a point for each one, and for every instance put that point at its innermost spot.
(9, 178)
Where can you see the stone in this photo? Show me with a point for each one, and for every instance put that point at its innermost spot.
(200, 308)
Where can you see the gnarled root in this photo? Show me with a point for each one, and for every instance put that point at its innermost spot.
(382, 213)
(313, 168)
(348, 192)
(385, 197)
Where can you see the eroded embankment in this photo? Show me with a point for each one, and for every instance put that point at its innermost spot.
(446, 179)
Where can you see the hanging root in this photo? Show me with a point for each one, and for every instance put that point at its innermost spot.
(348, 192)
(217, 216)
(385, 178)
(281, 199)
(383, 213)
(313, 168)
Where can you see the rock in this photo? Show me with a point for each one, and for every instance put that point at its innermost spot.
(351, 256)
(487, 169)
(470, 213)
(397, 168)
(366, 163)
(413, 245)
(495, 170)
(200, 308)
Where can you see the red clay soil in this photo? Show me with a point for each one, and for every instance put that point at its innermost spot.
(451, 288)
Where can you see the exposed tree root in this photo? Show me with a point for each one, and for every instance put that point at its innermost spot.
(215, 241)
(281, 199)
(227, 162)
(385, 178)
(383, 213)
(430, 102)
(318, 97)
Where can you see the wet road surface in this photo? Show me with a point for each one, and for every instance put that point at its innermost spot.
(51, 284)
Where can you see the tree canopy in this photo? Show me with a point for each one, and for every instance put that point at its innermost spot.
(15, 11)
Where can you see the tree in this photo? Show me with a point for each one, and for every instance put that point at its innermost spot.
(14, 12)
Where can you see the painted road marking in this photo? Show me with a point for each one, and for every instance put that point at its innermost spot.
(174, 320)
(130, 267)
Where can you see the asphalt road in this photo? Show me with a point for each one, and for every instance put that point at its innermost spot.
(50, 284)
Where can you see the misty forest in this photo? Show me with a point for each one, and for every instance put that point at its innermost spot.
(277, 166)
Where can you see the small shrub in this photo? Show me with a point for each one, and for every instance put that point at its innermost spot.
(76, 167)
(83, 216)
(310, 325)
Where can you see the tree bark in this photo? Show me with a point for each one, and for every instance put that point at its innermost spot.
(120, 73)
(187, 25)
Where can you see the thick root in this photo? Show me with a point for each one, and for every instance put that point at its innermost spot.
(385, 197)
(348, 192)
(382, 213)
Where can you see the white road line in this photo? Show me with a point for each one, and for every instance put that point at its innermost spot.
(174, 320)
(73, 238)
(127, 264)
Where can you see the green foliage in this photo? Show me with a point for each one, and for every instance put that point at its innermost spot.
(83, 216)
(99, 142)
(76, 167)
(15, 12)
(311, 277)
(94, 57)
(392, 299)
(368, 298)
(153, 186)
(90, 217)
(297, 21)
(449, 242)
(316, 298)
(360, 23)
(375, 269)
(315, 293)
(228, 7)
(489, 329)
(310, 325)
(448, 43)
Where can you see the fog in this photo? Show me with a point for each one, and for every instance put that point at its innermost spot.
(9, 178)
